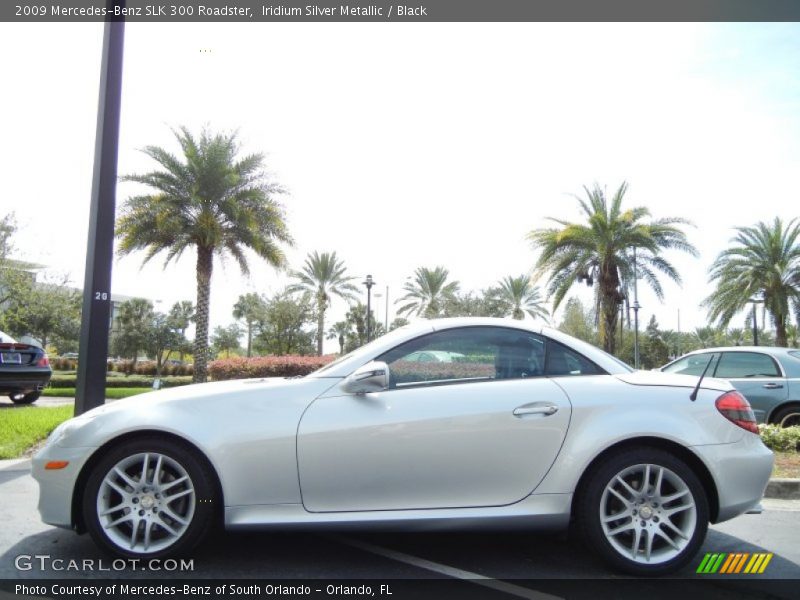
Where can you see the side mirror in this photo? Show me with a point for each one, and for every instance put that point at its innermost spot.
(372, 377)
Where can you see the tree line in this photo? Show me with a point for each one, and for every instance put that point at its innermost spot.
(214, 202)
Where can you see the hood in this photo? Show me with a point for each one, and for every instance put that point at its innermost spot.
(673, 380)
(194, 393)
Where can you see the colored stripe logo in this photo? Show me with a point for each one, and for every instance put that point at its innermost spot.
(735, 562)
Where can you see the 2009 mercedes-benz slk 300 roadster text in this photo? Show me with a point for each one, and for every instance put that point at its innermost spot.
(520, 427)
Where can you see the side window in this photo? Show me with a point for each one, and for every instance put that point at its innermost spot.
(565, 361)
(465, 355)
(737, 365)
(694, 364)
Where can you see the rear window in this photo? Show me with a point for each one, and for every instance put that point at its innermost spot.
(740, 365)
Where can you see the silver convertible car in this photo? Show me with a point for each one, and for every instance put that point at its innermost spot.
(525, 428)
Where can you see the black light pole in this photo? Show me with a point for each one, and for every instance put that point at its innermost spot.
(755, 320)
(386, 315)
(95, 319)
(635, 314)
(369, 283)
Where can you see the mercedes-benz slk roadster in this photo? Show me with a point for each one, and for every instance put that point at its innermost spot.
(521, 427)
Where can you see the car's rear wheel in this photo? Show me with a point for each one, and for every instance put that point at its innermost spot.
(644, 511)
(28, 398)
(787, 416)
(149, 498)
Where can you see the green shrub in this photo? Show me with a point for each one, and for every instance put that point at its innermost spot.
(69, 381)
(781, 439)
(63, 364)
(266, 366)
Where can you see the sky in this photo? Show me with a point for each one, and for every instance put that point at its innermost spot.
(403, 145)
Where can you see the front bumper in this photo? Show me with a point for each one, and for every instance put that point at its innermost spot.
(741, 472)
(57, 487)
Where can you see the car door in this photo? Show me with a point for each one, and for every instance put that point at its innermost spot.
(757, 376)
(481, 430)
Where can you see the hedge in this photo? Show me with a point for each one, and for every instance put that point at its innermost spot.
(266, 366)
(69, 381)
(780, 439)
(143, 367)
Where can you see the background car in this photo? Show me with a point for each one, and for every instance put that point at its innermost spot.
(529, 428)
(24, 370)
(768, 377)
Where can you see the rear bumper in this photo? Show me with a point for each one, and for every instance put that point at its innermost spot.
(741, 472)
(25, 381)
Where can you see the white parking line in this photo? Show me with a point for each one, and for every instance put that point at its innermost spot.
(476, 578)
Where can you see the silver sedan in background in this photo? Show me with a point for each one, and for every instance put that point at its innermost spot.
(523, 428)
(768, 377)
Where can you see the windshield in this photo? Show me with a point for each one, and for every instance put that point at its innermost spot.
(377, 342)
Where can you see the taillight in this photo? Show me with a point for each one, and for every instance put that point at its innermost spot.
(736, 409)
(43, 362)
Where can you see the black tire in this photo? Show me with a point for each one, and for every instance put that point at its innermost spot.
(646, 514)
(154, 512)
(787, 416)
(28, 398)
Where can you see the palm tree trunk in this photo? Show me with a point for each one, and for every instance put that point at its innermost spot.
(205, 263)
(320, 326)
(249, 337)
(780, 331)
(608, 306)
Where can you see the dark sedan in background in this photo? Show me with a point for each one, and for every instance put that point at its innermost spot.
(24, 370)
(768, 377)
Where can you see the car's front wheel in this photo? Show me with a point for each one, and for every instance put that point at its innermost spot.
(644, 511)
(28, 398)
(149, 498)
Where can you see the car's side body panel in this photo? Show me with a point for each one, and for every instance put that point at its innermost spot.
(254, 457)
(454, 445)
(537, 511)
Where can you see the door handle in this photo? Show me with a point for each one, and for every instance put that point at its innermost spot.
(773, 386)
(546, 410)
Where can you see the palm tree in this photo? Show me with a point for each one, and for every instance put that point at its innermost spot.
(522, 297)
(180, 315)
(211, 201)
(250, 308)
(338, 332)
(426, 292)
(763, 262)
(600, 251)
(323, 275)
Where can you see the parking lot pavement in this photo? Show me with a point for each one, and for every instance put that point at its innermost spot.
(513, 561)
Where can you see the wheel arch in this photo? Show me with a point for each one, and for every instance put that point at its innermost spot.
(681, 452)
(791, 404)
(80, 482)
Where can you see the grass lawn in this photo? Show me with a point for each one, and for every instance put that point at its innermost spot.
(21, 428)
(112, 393)
(787, 464)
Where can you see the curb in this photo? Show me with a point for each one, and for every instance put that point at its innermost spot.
(783, 488)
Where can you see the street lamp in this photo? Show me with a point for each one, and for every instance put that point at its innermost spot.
(755, 319)
(636, 308)
(386, 312)
(369, 283)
